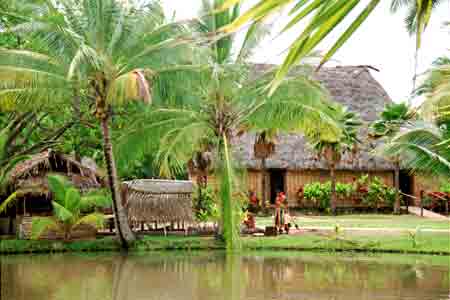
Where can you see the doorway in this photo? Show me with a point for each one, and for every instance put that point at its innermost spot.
(406, 185)
(277, 183)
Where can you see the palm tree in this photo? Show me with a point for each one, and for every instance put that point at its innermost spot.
(415, 21)
(332, 149)
(68, 207)
(264, 147)
(109, 51)
(229, 98)
(325, 16)
(424, 145)
(7, 164)
(392, 119)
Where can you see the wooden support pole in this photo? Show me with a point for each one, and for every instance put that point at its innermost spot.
(421, 202)
(446, 206)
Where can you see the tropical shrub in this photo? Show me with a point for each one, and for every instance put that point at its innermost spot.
(320, 193)
(445, 188)
(70, 209)
(205, 205)
(377, 193)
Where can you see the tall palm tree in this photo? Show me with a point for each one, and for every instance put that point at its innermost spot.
(333, 149)
(424, 145)
(110, 52)
(394, 117)
(230, 97)
(325, 16)
(415, 21)
(264, 147)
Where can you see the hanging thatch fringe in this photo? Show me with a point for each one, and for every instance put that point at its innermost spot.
(159, 201)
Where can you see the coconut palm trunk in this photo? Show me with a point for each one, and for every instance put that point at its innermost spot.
(264, 174)
(123, 230)
(397, 186)
(77, 118)
(333, 188)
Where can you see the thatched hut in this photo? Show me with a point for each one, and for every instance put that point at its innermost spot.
(30, 178)
(150, 201)
(293, 163)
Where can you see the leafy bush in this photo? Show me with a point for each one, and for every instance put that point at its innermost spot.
(320, 193)
(378, 192)
(205, 205)
(445, 188)
(68, 209)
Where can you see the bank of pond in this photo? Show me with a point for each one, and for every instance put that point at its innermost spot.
(436, 243)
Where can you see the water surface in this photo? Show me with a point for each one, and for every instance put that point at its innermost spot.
(213, 275)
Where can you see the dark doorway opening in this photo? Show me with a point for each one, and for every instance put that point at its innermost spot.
(277, 183)
(406, 186)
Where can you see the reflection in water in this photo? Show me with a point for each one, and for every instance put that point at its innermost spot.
(205, 276)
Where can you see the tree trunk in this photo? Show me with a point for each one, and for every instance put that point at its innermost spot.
(333, 188)
(123, 230)
(397, 187)
(77, 118)
(263, 169)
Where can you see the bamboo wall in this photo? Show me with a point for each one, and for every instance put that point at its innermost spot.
(296, 179)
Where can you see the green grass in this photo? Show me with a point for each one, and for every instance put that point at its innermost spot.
(364, 221)
(427, 243)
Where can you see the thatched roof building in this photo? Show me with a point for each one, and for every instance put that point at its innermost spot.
(161, 201)
(30, 176)
(293, 163)
(353, 87)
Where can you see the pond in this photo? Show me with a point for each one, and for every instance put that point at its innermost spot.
(214, 275)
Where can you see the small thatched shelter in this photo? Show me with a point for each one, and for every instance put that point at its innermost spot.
(158, 201)
(30, 178)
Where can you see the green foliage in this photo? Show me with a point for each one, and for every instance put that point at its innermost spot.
(69, 209)
(378, 193)
(320, 193)
(445, 187)
(393, 117)
(205, 205)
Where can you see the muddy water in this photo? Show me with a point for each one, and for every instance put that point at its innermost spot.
(212, 275)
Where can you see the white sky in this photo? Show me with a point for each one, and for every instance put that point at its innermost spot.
(382, 42)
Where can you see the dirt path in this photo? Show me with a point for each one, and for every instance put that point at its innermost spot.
(426, 213)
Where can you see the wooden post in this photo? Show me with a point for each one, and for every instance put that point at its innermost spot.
(421, 203)
(446, 205)
(407, 203)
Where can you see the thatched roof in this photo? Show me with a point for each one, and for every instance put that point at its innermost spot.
(151, 200)
(355, 88)
(31, 174)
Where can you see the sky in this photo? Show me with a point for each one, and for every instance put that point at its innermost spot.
(381, 42)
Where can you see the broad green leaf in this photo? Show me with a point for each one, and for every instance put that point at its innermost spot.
(41, 225)
(61, 213)
(57, 186)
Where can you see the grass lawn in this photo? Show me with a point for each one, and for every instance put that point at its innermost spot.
(364, 221)
(424, 243)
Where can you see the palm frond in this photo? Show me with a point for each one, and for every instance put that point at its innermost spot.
(40, 225)
(9, 202)
(95, 220)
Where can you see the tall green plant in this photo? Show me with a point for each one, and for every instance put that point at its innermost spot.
(229, 98)
(394, 117)
(333, 149)
(68, 207)
(103, 49)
